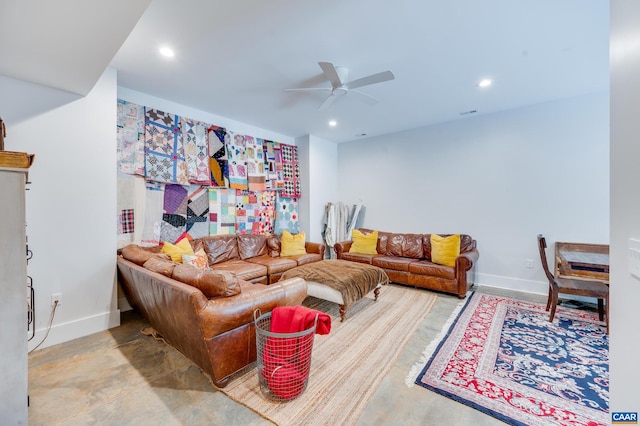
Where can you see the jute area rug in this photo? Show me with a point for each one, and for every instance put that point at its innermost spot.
(503, 357)
(348, 364)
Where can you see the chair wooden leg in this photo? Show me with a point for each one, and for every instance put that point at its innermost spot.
(601, 309)
(549, 299)
(554, 303)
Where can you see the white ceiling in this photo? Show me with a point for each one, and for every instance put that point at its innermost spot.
(64, 44)
(235, 58)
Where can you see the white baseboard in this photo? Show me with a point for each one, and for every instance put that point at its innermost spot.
(510, 283)
(65, 332)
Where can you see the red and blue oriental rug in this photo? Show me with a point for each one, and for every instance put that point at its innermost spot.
(503, 357)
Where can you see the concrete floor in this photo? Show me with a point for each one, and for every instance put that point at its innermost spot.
(121, 377)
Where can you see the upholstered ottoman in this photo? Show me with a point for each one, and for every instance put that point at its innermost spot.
(340, 281)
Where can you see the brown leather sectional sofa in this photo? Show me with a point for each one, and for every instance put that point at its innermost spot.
(213, 324)
(406, 258)
(254, 258)
(217, 334)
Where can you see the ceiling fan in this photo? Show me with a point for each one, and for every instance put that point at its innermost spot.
(338, 77)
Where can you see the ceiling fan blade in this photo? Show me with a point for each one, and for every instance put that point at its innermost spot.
(365, 98)
(308, 89)
(371, 79)
(330, 99)
(331, 73)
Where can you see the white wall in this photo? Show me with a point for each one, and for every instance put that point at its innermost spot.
(625, 203)
(71, 209)
(501, 178)
(318, 166)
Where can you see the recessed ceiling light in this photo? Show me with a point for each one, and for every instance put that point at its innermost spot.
(165, 51)
(485, 83)
(333, 123)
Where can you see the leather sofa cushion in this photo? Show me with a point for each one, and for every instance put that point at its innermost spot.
(139, 255)
(357, 257)
(251, 246)
(160, 263)
(220, 248)
(273, 246)
(405, 245)
(274, 265)
(424, 267)
(303, 259)
(242, 269)
(392, 262)
(211, 283)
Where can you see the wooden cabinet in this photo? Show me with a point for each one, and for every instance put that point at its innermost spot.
(13, 297)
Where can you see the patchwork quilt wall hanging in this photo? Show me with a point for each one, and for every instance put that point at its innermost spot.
(218, 140)
(247, 212)
(286, 215)
(195, 179)
(164, 150)
(196, 150)
(236, 153)
(222, 211)
(174, 217)
(291, 171)
(273, 165)
(197, 212)
(255, 164)
(255, 212)
(267, 212)
(130, 138)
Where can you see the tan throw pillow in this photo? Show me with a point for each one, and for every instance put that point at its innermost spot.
(364, 243)
(200, 260)
(445, 250)
(160, 264)
(210, 283)
(292, 245)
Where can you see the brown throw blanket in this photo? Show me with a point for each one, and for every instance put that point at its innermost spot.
(353, 280)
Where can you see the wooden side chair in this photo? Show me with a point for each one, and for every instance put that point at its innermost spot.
(587, 288)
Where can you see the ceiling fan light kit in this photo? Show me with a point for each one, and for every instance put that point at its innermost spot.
(340, 86)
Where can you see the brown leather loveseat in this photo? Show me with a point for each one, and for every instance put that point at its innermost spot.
(216, 331)
(406, 258)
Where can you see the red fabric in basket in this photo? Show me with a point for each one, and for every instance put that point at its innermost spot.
(291, 319)
(285, 381)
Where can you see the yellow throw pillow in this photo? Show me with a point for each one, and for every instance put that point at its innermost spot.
(445, 250)
(292, 245)
(364, 244)
(177, 250)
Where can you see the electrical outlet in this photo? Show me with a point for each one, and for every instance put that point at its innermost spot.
(56, 297)
(529, 263)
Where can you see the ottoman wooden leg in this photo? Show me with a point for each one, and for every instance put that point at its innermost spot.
(343, 312)
(376, 293)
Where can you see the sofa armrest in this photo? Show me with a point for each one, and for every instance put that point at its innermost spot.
(342, 247)
(226, 313)
(466, 260)
(315, 248)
